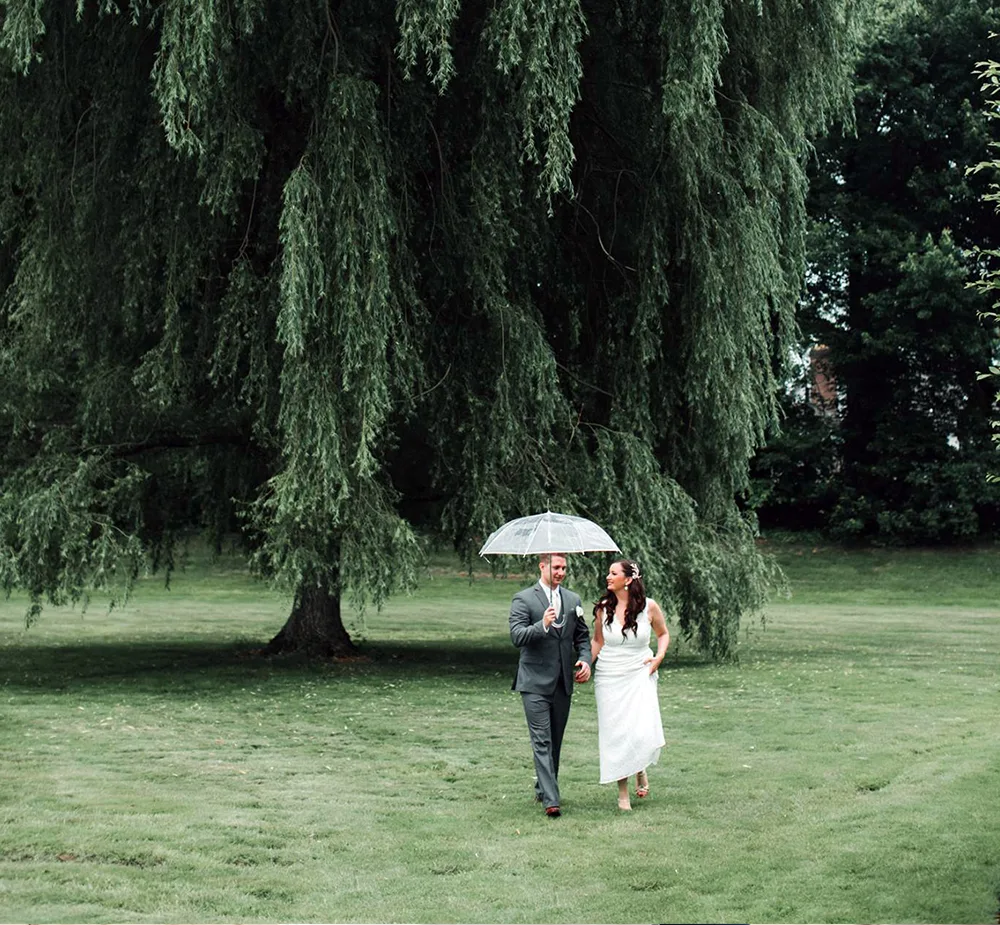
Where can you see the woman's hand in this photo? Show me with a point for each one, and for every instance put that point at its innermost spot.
(653, 662)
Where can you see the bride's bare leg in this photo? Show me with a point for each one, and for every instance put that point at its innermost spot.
(623, 801)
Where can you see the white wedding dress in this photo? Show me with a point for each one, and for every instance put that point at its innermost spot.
(629, 730)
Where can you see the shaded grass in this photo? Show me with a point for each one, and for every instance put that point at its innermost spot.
(157, 769)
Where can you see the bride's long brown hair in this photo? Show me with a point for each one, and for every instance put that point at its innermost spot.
(635, 604)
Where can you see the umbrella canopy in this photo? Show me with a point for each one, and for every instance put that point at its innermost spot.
(547, 533)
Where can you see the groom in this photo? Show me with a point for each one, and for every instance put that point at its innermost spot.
(547, 625)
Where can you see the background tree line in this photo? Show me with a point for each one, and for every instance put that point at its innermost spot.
(903, 451)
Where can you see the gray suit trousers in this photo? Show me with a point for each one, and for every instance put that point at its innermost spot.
(546, 715)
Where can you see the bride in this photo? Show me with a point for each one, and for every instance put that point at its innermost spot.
(629, 731)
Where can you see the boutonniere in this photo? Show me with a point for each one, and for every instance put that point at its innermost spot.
(579, 610)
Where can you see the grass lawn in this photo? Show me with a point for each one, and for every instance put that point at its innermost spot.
(155, 769)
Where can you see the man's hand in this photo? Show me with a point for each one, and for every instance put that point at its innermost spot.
(582, 675)
(549, 617)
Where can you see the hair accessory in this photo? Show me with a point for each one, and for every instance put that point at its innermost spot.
(635, 570)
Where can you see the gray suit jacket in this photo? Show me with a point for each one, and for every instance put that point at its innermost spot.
(547, 658)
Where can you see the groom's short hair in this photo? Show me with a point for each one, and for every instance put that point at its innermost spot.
(547, 556)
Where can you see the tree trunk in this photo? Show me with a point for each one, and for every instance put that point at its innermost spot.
(314, 626)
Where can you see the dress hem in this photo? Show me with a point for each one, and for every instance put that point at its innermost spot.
(654, 760)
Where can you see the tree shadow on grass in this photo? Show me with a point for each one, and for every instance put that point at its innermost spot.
(191, 666)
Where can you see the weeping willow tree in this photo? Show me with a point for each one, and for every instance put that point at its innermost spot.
(294, 266)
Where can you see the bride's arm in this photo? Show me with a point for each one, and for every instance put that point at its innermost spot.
(597, 640)
(659, 625)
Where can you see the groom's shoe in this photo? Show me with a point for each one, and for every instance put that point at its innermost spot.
(553, 812)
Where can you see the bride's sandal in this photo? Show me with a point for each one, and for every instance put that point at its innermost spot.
(641, 785)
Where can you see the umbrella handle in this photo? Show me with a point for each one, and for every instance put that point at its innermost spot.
(557, 623)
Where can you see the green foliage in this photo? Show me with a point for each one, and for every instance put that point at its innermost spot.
(793, 477)
(22, 27)
(537, 47)
(304, 268)
(702, 571)
(425, 26)
(69, 525)
(896, 219)
(923, 480)
(989, 271)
